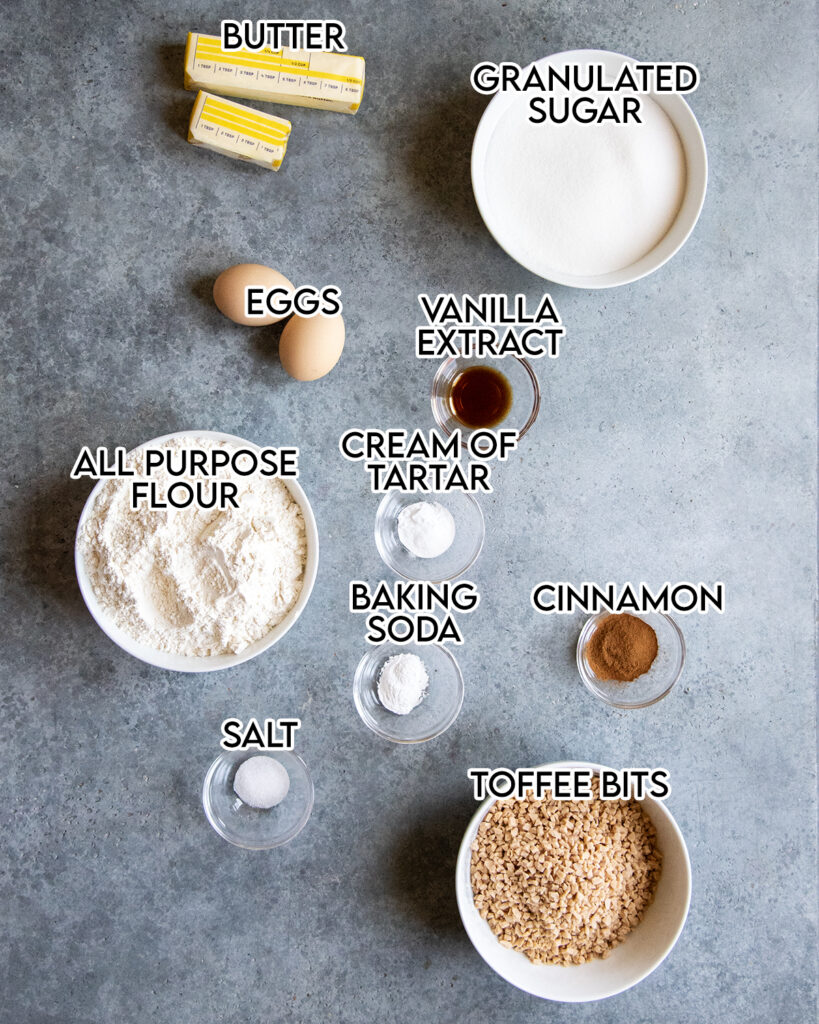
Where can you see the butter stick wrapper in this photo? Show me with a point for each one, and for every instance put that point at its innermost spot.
(238, 131)
(300, 78)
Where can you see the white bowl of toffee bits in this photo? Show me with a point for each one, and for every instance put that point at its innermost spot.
(573, 900)
(630, 661)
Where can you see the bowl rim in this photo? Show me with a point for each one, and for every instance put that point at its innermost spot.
(589, 681)
(674, 105)
(231, 755)
(379, 514)
(411, 648)
(191, 663)
(470, 917)
(533, 379)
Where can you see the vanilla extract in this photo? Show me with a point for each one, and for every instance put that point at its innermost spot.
(480, 397)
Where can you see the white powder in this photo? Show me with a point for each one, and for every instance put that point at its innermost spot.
(426, 529)
(402, 683)
(196, 581)
(261, 782)
(584, 199)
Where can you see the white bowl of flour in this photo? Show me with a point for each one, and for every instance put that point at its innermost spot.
(589, 205)
(197, 590)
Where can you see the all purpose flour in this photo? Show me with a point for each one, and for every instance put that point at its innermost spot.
(196, 581)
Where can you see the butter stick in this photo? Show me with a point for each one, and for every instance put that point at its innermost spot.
(238, 131)
(301, 78)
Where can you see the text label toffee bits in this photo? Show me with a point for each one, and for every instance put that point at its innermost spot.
(430, 462)
(410, 609)
(203, 465)
(591, 598)
(561, 92)
(570, 783)
(490, 326)
(269, 734)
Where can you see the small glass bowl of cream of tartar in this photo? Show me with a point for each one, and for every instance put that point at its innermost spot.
(257, 828)
(400, 516)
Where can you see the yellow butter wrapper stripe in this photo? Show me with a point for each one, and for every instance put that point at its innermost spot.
(238, 131)
(326, 81)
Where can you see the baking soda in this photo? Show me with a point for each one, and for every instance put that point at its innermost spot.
(402, 683)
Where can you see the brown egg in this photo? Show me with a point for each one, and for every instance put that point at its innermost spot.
(311, 346)
(229, 292)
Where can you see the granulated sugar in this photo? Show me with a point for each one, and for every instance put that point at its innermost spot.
(196, 581)
(584, 199)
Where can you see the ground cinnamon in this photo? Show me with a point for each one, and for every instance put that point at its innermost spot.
(622, 648)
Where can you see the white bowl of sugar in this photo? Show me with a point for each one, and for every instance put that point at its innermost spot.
(589, 205)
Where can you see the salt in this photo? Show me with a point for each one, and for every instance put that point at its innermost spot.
(261, 782)
(584, 199)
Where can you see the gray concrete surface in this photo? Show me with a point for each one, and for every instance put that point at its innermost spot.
(676, 441)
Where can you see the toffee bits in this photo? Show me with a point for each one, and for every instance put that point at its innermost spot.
(564, 881)
(622, 648)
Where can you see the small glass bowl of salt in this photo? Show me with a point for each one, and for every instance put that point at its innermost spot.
(282, 791)
(429, 538)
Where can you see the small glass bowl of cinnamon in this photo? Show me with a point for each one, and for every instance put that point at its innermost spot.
(620, 649)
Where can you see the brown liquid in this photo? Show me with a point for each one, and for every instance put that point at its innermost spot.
(480, 397)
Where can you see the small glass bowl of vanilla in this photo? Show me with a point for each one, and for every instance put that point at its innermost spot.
(471, 395)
